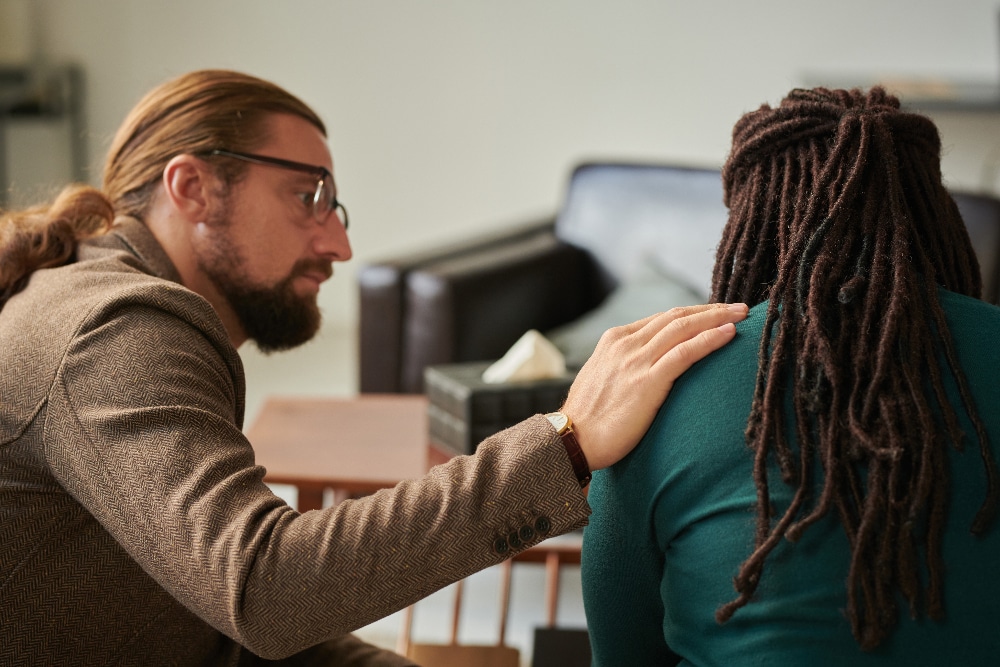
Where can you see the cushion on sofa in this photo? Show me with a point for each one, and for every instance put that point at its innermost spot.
(651, 289)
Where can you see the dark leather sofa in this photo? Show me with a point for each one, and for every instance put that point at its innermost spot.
(471, 301)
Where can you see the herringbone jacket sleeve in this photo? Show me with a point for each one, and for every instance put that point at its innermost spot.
(142, 430)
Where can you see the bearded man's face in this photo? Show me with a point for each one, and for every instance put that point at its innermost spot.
(274, 316)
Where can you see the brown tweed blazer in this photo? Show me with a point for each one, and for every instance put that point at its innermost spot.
(134, 524)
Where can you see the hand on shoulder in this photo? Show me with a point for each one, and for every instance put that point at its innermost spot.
(619, 390)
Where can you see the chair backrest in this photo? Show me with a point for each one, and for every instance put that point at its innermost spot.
(627, 214)
(454, 654)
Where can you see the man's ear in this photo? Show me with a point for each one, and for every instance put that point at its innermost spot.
(189, 185)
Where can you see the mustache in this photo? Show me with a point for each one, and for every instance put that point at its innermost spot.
(304, 266)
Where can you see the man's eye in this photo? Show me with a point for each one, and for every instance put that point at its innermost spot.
(306, 198)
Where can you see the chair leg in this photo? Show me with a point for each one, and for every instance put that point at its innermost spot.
(505, 573)
(551, 587)
(456, 613)
(403, 641)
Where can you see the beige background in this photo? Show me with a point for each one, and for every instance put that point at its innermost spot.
(449, 117)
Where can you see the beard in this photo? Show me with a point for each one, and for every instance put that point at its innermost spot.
(275, 318)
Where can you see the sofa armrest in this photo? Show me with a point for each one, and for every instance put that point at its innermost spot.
(380, 327)
(382, 304)
(473, 307)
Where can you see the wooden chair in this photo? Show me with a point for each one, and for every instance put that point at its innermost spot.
(454, 654)
(554, 553)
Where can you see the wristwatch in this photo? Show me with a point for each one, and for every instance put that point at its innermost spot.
(564, 428)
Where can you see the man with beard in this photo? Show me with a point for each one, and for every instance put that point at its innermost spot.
(134, 526)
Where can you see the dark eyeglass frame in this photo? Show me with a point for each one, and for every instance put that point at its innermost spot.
(321, 207)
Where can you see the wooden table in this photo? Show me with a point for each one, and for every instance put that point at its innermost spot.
(359, 445)
(353, 446)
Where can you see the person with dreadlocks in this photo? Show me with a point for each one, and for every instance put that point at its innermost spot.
(823, 490)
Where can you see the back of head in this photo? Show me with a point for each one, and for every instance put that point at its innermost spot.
(192, 113)
(851, 164)
(838, 217)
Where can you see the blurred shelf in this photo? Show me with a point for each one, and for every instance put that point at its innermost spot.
(924, 94)
(50, 94)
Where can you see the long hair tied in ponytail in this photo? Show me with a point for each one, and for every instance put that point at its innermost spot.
(46, 236)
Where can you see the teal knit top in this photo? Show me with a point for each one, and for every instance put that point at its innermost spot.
(673, 521)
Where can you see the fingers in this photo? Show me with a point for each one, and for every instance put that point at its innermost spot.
(680, 357)
(650, 326)
(686, 339)
(648, 340)
(673, 328)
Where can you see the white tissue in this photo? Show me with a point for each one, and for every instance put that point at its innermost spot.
(532, 357)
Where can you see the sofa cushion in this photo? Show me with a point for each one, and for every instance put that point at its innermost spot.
(651, 289)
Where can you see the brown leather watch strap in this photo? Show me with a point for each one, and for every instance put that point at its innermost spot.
(576, 456)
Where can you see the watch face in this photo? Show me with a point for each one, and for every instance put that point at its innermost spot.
(558, 420)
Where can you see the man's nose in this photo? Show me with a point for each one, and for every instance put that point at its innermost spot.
(331, 239)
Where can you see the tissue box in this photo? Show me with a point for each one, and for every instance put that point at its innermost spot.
(463, 410)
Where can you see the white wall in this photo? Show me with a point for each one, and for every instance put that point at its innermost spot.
(450, 117)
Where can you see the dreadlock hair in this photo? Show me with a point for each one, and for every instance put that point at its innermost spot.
(193, 113)
(838, 216)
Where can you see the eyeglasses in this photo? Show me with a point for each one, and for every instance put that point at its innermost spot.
(323, 201)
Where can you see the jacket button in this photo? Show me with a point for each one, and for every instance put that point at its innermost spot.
(527, 533)
(543, 525)
(513, 540)
(501, 546)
